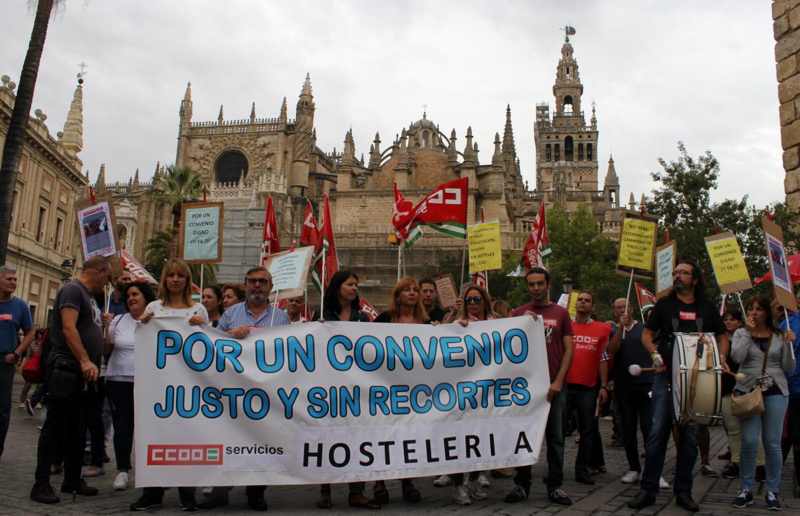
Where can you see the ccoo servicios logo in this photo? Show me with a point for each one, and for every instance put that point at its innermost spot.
(184, 455)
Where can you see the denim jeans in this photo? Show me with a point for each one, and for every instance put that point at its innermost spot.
(583, 401)
(770, 427)
(660, 432)
(554, 438)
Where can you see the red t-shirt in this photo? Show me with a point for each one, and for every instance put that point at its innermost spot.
(589, 342)
(556, 326)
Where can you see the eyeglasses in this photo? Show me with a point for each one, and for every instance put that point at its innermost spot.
(256, 281)
(473, 300)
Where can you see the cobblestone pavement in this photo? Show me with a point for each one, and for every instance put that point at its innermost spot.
(608, 496)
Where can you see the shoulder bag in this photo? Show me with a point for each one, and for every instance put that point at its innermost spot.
(751, 404)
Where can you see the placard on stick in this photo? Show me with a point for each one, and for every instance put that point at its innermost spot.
(446, 290)
(666, 256)
(201, 232)
(289, 271)
(485, 249)
(637, 244)
(778, 264)
(97, 227)
(728, 263)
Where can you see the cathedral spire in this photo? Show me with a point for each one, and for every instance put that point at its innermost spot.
(136, 178)
(611, 175)
(100, 184)
(72, 137)
(375, 152)
(186, 104)
(307, 92)
(469, 148)
(349, 152)
(567, 88)
(283, 118)
(220, 118)
(497, 157)
(509, 147)
(253, 113)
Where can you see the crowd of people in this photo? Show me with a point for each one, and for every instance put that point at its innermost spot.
(623, 366)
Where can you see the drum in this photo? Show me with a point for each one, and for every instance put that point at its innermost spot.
(696, 379)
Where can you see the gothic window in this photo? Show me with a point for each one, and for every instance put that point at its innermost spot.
(580, 152)
(568, 148)
(548, 153)
(568, 104)
(589, 154)
(557, 153)
(231, 167)
(568, 72)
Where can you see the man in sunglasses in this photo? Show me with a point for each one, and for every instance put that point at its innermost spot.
(558, 339)
(238, 320)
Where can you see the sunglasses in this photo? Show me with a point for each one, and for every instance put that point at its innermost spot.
(473, 300)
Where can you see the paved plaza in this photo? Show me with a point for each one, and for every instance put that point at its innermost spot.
(608, 496)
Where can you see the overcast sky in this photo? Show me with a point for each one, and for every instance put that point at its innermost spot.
(659, 72)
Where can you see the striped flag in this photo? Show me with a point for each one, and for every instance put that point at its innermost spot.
(271, 243)
(444, 209)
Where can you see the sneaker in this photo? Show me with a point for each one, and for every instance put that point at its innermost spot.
(731, 471)
(476, 491)
(743, 499)
(631, 477)
(29, 408)
(442, 481)
(93, 471)
(662, 483)
(146, 503)
(483, 479)
(461, 496)
(773, 504)
(43, 493)
(121, 481)
(207, 491)
(559, 496)
(517, 494)
(707, 471)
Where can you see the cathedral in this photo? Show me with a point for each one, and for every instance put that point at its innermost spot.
(243, 161)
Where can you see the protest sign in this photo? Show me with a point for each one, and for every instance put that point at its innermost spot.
(778, 264)
(201, 232)
(572, 304)
(446, 290)
(336, 401)
(289, 270)
(96, 228)
(136, 269)
(728, 263)
(665, 263)
(485, 250)
(637, 243)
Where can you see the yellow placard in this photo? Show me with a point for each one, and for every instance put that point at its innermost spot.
(572, 304)
(637, 243)
(728, 263)
(485, 250)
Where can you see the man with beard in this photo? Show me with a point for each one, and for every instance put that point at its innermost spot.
(254, 312)
(430, 299)
(117, 304)
(684, 310)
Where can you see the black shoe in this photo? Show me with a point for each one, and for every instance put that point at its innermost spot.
(559, 496)
(257, 503)
(381, 494)
(146, 502)
(599, 470)
(743, 499)
(216, 500)
(685, 500)
(82, 489)
(517, 494)
(641, 500)
(731, 471)
(43, 493)
(773, 503)
(189, 506)
(584, 479)
(410, 493)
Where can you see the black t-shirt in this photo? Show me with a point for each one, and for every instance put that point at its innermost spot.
(89, 324)
(355, 316)
(631, 351)
(670, 313)
(437, 314)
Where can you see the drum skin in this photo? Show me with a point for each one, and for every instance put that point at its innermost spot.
(706, 407)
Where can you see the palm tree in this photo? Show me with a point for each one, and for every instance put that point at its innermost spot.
(176, 186)
(12, 148)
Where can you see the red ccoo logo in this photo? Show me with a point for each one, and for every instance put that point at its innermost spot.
(184, 454)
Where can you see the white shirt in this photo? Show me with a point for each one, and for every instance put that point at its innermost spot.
(159, 310)
(120, 365)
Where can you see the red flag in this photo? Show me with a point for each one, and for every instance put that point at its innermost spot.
(646, 298)
(328, 244)
(401, 214)
(136, 269)
(309, 234)
(444, 209)
(538, 242)
(271, 243)
(368, 309)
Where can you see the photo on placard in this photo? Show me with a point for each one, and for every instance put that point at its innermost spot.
(96, 230)
(777, 258)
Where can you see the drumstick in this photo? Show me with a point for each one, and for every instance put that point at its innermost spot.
(636, 369)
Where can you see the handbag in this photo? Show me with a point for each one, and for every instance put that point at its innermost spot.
(752, 403)
(32, 368)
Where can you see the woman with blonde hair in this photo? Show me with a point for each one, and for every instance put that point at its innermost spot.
(174, 300)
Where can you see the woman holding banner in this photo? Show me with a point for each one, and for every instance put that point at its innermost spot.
(174, 300)
(342, 304)
(765, 357)
(405, 306)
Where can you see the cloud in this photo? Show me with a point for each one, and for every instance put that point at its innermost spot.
(659, 72)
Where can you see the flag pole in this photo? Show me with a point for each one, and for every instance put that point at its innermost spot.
(463, 262)
(399, 251)
(274, 308)
(741, 305)
(628, 300)
(202, 271)
(322, 287)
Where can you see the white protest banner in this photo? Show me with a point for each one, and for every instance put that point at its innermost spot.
(336, 401)
(289, 270)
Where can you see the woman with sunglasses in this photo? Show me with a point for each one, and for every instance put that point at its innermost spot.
(405, 307)
(475, 306)
(342, 304)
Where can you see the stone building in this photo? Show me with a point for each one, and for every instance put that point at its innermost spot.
(44, 244)
(786, 28)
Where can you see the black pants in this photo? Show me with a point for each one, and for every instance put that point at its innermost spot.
(186, 494)
(791, 436)
(554, 438)
(120, 397)
(63, 436)
(582, 401)
(6, 384)
(94, 422)
(634, 406)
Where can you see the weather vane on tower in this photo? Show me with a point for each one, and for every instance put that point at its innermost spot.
(83, 66)
(569, 30)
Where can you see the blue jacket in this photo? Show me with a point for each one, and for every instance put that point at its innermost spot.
(794, 377)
